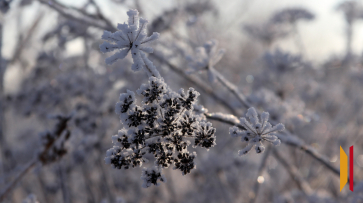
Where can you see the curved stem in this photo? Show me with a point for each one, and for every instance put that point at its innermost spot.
(233, 89)
(261, 169)
(294, 173)
(18, 178)
(291, 140)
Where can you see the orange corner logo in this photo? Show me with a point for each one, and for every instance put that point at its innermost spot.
(344, 168)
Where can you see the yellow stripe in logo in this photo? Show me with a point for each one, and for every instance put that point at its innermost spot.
(343, 168)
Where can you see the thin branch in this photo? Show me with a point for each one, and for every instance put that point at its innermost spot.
(60, 127)
(74, 14)
(206, 89)
(26, 169)
(289, 139)
(170, 187)
(2, 113)
(23, 42)
(64, 188)
(294, 173)
(233, 89)
(100, 14)
(298, 40)
(105, 181)
(261, 169)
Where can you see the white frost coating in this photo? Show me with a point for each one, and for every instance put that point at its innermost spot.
(164, 126)
(151, 175)
(132, 38)
(146, 91)
(226, 117)
(245, 150)
(255, 131)
(205, 58)
(152, 71)
(127, 101)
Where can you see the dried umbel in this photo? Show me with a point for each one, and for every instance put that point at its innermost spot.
(163, 126)
(206, 58)
(53, 142)
(255, 131)
(266, 33)
(353, 10)
(292, 15)
(131, 37)
(282, 62)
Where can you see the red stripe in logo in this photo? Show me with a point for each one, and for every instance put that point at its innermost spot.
(351, 176)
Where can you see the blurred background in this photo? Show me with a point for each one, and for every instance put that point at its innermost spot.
(299, 60)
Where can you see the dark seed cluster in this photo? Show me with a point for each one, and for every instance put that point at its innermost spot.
(164, 126)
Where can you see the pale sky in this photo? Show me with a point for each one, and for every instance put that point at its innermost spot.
(322, 37)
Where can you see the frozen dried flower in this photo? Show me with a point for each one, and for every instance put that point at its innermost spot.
(256, 131)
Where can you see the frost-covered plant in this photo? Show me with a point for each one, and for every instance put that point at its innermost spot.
(353, 10)
(266, 33)
(151, 176)
(130, 37)
(164, 125)
(206, 58)
(292, 15)
(256, 131)
(281, 62)
(291, 111)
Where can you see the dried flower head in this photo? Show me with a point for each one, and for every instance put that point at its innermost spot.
(353, 10)
(256, 131)
(292, 15)
(151, 176)
(206, 58)
(130, 37)
(267, 33)
(164, 126)
(281, 62)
